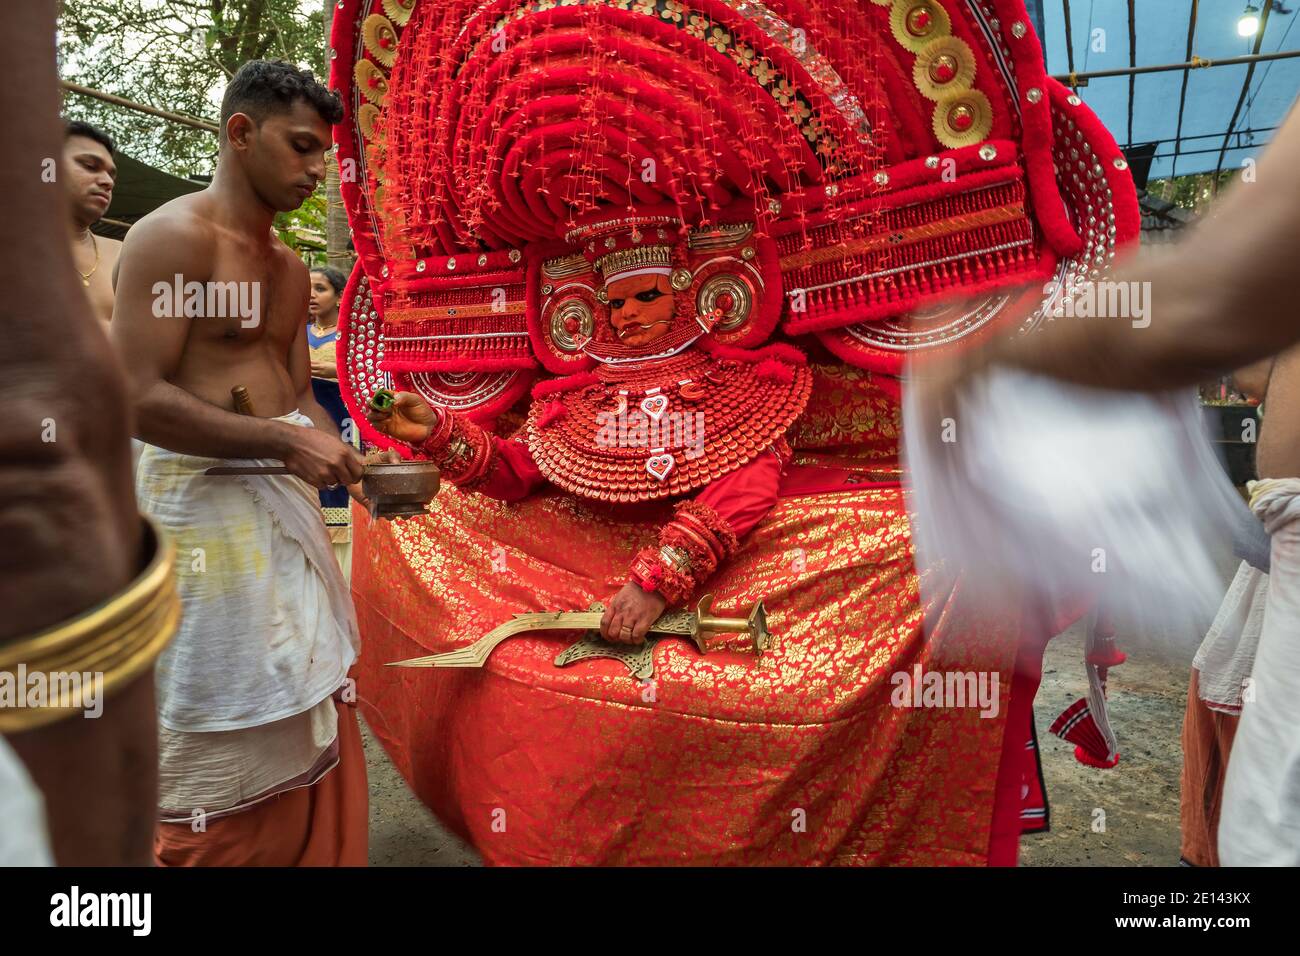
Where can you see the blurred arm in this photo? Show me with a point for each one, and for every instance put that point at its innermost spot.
(1221, 299)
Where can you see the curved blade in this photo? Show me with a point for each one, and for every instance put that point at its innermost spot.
(476, 654)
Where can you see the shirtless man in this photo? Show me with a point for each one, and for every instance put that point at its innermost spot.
(89, 174)
(209, 299)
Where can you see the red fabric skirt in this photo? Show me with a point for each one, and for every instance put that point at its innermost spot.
(798, 757)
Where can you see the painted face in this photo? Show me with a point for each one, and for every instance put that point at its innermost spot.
(640, 308)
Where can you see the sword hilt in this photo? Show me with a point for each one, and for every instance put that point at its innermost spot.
(706, 623)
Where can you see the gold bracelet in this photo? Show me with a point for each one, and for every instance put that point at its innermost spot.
(108, 646)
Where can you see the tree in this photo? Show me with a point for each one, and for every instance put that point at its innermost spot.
(177, 55)
(1192, 192)
(336, 219)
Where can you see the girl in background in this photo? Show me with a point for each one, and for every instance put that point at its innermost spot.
(322, 330)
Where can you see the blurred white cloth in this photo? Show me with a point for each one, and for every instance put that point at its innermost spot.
(1227, 654)
(23, 837)
(1260, 821)
(1058, 492)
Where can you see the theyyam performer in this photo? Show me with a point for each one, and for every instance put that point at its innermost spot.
(642, 276)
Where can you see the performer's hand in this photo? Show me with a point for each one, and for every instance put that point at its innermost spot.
(320, 459)
(630, 613)
(408, 419)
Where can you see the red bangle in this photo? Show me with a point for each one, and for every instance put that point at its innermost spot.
(439, 435)
(701, 515)
(689, 522)
(703, 560)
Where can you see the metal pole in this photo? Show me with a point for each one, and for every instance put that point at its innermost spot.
(1245, 88)
(337, 232)
(1182, 96)
(138, 107)
(1069, 46)
(1196, 63)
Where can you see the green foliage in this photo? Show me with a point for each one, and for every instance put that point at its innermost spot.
(1190, 192)
(177, 55)
(303, 230)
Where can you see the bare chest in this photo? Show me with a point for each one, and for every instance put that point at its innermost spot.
(95, 274)
(247, 299)
(1278, 455)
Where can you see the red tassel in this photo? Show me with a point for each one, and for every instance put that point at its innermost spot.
(773, 371)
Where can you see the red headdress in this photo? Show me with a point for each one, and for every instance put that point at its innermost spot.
(800, 167)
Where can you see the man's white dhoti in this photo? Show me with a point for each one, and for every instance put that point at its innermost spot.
(1227, 655)
(23, 839)
(266, 638)
(1260, 821)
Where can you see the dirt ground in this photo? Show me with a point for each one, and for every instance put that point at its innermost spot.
(1139, 798)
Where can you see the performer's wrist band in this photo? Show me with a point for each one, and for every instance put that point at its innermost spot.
(462, 450)
(109, 645)
(692, 546)
(646, 571)
(651, 572)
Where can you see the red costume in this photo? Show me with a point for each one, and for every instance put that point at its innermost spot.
(806, 180)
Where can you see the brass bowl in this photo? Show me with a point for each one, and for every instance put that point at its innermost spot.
(400, 489)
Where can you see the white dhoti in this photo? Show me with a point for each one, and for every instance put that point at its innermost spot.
(1226, 657)
(1260, 821)
(1063, 492)
(23, 838)
(266, 638)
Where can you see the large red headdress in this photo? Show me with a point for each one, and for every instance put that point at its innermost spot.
(798, 167)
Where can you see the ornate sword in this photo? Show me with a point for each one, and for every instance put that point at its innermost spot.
(697, 625)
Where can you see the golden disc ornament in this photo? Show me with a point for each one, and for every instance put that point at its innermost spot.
(731, 295)
(380, 38)
(915, 23)
(366, 117)
(963, 119)
(371, 81)
(946, 66)
(399, 11)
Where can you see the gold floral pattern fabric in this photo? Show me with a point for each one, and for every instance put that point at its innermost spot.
(797, 757)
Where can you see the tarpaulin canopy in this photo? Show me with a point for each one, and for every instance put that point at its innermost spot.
(1191, 116)
(139, 190)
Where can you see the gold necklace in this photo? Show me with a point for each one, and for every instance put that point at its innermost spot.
(85, 276)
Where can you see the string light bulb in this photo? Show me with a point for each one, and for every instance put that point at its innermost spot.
(1248, 25)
